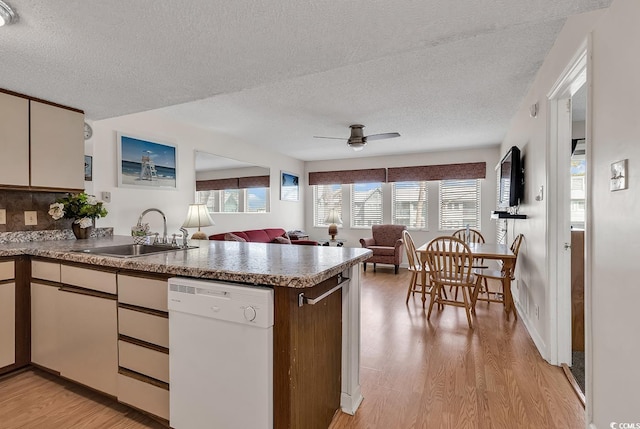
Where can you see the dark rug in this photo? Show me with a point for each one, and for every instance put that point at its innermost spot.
(577, 368)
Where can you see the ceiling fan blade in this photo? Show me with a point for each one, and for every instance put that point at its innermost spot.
(332, 138)
(382, 136)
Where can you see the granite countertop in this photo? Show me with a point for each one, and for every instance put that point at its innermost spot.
(267, 264)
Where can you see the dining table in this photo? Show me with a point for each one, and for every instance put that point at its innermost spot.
(487, 251)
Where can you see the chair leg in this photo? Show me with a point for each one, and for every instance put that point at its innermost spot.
(412, 285)
(397, 266)
(364, 264)
(374, 267)
(433, 299)
(467, 305)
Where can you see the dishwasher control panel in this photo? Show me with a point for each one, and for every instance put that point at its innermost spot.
(251, 305)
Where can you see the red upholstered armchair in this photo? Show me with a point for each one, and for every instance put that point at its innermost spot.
(386, 245)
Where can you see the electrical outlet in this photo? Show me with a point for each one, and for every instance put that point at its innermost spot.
(3, 216)
(31, 217)
(537, 312)
(106, 196)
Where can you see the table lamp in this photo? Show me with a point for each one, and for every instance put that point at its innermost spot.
(333, 219)
(198, 216)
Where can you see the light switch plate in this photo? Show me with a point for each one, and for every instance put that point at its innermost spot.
(106, 196)
(3, 216)
(31, 217)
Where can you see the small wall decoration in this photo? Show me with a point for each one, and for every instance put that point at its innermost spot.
(88, 168)
(289, 188)
(146, 164)
(618, 179)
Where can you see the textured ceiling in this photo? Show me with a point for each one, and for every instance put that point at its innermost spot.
(275, 73)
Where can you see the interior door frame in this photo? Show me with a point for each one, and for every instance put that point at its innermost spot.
(558, 204)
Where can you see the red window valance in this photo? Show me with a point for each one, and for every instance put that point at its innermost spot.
(254, 182)
(233, 183)
(216, 185)
(470, 170)
(341, 177)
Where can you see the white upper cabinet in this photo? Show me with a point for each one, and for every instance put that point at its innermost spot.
(14, 140)
(42, 144)
(57, 147)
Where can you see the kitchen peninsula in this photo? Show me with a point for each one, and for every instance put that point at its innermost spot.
(316, 347)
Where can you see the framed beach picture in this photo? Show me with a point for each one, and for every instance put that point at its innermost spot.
(88, 168)
(289, 187)
(143, 163)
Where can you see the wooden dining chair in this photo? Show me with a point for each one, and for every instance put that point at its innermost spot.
(450, 264)
(483, 293)
(415, 268)
(475, 236)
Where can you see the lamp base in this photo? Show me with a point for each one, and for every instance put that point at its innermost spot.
(199, 235)
(333, 231)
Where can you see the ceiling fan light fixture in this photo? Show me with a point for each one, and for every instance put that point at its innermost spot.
(357, 147)
(7, 15)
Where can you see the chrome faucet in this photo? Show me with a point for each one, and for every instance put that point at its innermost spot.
(185, 234)
(164, 220)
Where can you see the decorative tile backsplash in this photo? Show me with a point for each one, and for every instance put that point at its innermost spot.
(17, 202)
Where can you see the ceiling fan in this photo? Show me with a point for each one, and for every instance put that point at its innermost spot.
(357, 140)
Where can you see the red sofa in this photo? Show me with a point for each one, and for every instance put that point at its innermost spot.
(267, 235)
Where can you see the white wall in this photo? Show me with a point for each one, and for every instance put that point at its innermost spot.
(128, 203)
(614, 216)
(531, 290)
(615, 93)
(488, 191)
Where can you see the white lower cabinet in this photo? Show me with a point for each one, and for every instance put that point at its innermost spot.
(44, 325)
(7, 314)
(143, 396)
(104, 330)
(74, 323)
(143, 352)
(7, 324)
(88, 337)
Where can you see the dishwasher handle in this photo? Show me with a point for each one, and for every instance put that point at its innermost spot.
(302, 300)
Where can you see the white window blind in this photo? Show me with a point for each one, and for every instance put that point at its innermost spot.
(325, 198)
(459, 204)
(410, 204)
(366, 204)
(209, 198)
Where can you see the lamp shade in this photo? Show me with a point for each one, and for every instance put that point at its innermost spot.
(197, 216)
(333, 217)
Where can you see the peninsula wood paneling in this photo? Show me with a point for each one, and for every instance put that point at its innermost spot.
(307, 357)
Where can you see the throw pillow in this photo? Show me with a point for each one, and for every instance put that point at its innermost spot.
(232, 237)
(281, 240)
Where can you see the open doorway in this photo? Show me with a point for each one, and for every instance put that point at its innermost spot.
(578, 184)
(572, 87)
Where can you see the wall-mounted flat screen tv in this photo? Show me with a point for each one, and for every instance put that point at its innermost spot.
(511, 179)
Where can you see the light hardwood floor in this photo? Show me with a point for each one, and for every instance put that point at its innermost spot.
(415, 374)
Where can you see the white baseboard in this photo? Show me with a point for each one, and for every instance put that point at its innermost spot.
(533, 333)
(592, 426)
(350, 403)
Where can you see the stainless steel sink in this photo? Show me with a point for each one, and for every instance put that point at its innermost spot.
(132, 250)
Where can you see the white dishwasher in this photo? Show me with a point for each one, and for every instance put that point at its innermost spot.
(221, 355)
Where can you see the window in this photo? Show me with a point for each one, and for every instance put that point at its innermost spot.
(459, 204)
(249, 200)
(257, 200)
(325, 198)
(366, 204)
(410, 204)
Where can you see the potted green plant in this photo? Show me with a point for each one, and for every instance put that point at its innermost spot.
(82, 208)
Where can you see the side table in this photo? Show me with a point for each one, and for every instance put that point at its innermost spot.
(332, 243)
